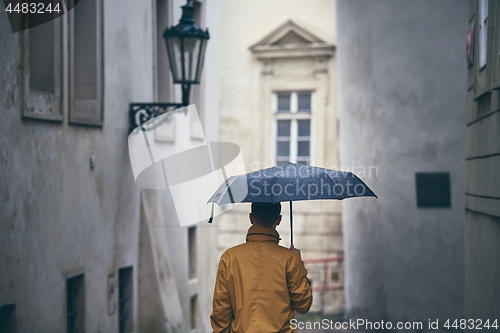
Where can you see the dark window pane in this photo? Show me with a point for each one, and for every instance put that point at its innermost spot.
(283, 148)
(433, 189)
(281, 161)
(283, 102)
(303, 148)
(85, 53)
(70, 4)
(41, 57)
(125, 300)
(192, 249)
(75, 306)
(304, 127)
(303, 162)
(304, 102)
(284, 128)
(8, 318)
(194, 313)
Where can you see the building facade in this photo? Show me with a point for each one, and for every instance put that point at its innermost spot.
(278, 103)
(402, 75)
(482, 191)
(83, 248)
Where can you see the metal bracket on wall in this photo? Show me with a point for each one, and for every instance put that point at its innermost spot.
(140, 113)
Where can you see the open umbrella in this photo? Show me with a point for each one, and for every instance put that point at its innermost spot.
(290, 182)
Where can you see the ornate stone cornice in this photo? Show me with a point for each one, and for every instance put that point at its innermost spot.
(291, 41)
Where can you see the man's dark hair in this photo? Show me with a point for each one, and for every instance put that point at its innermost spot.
(266, 213)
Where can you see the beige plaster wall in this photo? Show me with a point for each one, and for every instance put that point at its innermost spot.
(247, 116)
(60, 218)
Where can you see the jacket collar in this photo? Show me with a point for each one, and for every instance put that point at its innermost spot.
(258, 233)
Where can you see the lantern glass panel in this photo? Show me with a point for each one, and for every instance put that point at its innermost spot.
(191, 54)
(201, 59)
(174, 57)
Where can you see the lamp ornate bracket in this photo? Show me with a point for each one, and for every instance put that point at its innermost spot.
(184, 72)
(140, 113)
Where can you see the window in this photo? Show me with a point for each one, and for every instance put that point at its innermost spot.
(293, 127)
(85, 64)
(433, 189)
(125, 298)
(194, 313)
(43, 71)
(192, 252)
(8, 318)
(483, 32)
(75, 304)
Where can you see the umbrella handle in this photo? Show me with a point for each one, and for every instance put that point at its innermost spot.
(291, 224)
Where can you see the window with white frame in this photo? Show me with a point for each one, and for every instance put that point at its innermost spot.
(293, 127)
(43, 71)
(483, 32)
(47, 48)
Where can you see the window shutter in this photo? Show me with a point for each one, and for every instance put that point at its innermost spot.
(86, 64)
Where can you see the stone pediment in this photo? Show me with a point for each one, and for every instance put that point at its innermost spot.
(291, 40)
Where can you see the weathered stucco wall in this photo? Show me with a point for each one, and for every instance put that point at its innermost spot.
(60, 218)
(402, 76)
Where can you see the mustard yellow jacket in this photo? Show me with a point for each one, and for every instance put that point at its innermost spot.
(259, 285)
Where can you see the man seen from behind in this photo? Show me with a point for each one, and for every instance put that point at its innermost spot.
(259, 283)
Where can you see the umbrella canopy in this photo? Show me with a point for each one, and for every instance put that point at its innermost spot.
(290, 182)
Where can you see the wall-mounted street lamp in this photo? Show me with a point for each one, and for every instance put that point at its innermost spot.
(186, 43)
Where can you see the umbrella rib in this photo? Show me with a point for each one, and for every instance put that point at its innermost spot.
(227, 185)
